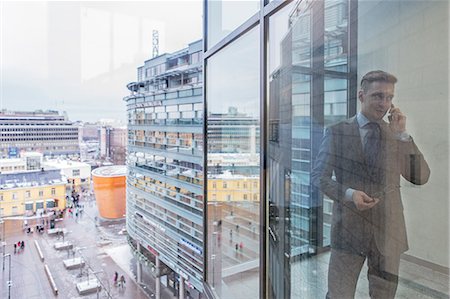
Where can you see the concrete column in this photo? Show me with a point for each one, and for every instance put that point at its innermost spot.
(139, 265)
(157, 280)
(181, 288)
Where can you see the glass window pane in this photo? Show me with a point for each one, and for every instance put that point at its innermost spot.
(316, 237)
(224, 16)
(336, 34)
(303, 92)
(233, 168)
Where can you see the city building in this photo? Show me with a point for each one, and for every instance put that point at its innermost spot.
(109, 190)
(88, 131)
(28, 161)
(46, 132)
(293, 68)
(165, 177)
(78, 174)
(113, 141)
(27, 192)
(229, 187)
(233, 132)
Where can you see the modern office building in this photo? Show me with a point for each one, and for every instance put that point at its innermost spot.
(46, 132)
(165, 174)
(233, 132)
(294, 67)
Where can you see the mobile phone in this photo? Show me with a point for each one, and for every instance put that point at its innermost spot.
(389, 114)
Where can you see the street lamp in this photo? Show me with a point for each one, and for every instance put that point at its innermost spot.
(3, 240)
(95, 273)
(9, 275)
(98, 281)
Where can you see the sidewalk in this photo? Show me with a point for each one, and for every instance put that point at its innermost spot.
(27, 271)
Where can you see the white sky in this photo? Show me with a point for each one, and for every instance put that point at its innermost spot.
(79, 56)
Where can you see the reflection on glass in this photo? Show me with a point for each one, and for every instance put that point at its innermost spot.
(310, 88)
(226, 15)
(233, 169)
(336, 30)
(299, 96)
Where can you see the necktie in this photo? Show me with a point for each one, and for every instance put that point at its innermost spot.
(372, 145)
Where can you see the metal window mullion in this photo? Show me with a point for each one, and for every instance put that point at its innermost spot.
(317, 113)
(206, 287)
(263, 247)
(352, 58)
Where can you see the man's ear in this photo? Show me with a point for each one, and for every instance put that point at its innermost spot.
(360, 95)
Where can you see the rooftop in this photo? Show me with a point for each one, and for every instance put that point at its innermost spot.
(31, 179)
(110, 171)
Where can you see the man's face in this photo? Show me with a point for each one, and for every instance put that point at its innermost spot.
(376, 101)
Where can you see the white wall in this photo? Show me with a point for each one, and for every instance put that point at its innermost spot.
(411, 40)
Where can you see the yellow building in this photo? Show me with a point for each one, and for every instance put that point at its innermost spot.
(227, 187)
(24, 193)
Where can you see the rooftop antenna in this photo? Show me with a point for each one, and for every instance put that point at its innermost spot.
(155, 43)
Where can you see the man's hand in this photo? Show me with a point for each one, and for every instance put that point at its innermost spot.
(363, 201)
(397, 120)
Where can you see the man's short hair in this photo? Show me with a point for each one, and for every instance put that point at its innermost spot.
(376, 76)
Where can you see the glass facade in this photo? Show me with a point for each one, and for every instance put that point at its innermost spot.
(344, 210)
(233, 166)
(224, 16)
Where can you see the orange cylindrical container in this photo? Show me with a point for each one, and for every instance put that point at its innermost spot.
(109, 190)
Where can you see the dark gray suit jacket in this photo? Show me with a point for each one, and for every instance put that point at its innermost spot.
(340, 165)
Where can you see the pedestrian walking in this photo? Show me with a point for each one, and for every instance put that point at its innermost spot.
(22, 245)
(15, 248)
(122, 281)
(116, 276)
(237, 228)
(241, 246)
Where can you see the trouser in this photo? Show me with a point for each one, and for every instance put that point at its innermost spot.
(345, 267)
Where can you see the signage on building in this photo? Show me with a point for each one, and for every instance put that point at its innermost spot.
(152, 250)
(191, 246)
(13, 152)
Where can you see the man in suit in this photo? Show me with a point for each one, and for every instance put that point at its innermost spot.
(358, 166)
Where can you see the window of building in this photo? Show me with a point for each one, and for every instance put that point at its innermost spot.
(14, 195)
(53, 191)
(27, 194)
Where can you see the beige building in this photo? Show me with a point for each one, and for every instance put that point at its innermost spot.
(78, 174)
